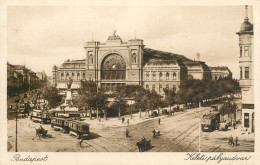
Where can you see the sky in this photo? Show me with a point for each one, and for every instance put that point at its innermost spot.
(42, 36)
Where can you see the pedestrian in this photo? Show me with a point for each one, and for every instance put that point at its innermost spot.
(128, 121)
(127, 133)
(80, 142)
(234, 125)
(159, 121)
(236, 140)
(123, 119)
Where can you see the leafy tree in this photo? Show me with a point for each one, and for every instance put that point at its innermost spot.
(51, 95)
(228, 108)
(91, 97)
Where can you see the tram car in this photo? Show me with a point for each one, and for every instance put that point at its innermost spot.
(41, 116)
(67, 125)
(210, 121)
(79, 128)
(61, 123)
(68, 114)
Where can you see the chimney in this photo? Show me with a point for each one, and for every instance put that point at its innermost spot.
(198, 57)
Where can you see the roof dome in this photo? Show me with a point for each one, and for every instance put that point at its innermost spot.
(246, 26)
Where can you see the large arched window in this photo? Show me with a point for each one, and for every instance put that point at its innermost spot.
(167, 76)
(62, 76)
(113, 67)
(147, 76)
(78, 76)
(67, 75)
(174, 75)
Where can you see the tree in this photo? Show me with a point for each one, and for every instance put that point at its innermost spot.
(228, 108)
(51, 95)
(91, 97)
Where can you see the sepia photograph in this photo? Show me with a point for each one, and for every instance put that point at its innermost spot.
(153, 79)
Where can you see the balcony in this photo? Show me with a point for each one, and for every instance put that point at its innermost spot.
(245, 83)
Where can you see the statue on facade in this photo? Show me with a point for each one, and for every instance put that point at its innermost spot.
(69, 83)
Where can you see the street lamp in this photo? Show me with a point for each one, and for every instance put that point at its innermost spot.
(16, 101)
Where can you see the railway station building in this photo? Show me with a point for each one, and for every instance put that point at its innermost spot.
(116, 63)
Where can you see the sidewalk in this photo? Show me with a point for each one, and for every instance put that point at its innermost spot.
(116, 122)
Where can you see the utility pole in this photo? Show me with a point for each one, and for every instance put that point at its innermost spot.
(200, 126)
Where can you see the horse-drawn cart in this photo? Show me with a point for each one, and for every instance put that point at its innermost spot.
(144, 145)
(41, 132)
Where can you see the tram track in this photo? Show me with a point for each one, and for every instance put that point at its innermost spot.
(181, 134)
(182, 139)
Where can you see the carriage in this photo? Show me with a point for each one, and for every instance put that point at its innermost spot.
(41, 116)
(61, 123)
(144, 145)
(68, 125)
(41, 132)
(156, 133)
(79, 128)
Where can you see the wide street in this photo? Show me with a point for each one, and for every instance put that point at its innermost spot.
(179, 133)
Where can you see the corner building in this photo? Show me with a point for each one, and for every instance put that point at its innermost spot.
(246, 66)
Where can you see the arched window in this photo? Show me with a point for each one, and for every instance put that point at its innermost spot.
(154, 75)
(160, 75)
(62, 76)
(153, 88)
(72, 75)
(174, 76)
(83, 75)
(167, 86)
(147, 86)
(78, 76)
(147, 76)
(167, 76)
(67, 75)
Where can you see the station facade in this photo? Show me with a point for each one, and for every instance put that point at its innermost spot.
(116, 63)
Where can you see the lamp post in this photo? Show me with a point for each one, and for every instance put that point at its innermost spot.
(199, 114)
(16, 132)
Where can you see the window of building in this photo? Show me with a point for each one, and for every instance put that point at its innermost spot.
(167, 76)
(78, 76)
(154, 75)
(246, 72)
(62, 76)
(147, 76)
(174, 76)
(241, 73)
(160, 87)
(67, 75)
(160, 76)
(72, 75)
(167, 86)
(241, 51)
(147, 87)
(83, 75)
(246, 51)
(153, 88)
(174, 88)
